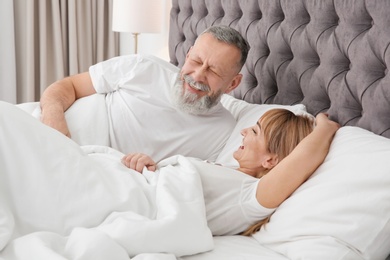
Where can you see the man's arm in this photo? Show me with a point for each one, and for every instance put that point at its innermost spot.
(60, 95)
(276, 186)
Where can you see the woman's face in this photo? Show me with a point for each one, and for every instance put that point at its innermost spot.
(253, 153)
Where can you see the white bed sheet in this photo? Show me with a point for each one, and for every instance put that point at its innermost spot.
(237, 248)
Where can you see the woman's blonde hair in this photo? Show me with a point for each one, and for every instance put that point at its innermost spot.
(283, 131)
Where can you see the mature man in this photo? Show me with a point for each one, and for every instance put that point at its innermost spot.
(154, 107)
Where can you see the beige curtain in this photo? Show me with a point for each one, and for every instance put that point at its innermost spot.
(57, 38)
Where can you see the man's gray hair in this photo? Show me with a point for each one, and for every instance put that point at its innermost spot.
(230, 36)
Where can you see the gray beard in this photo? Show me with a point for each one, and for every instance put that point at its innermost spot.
(190, 102)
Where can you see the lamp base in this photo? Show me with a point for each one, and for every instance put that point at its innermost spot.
(135, 42)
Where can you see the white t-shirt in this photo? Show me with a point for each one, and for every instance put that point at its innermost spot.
(230, 198)
(142, 117)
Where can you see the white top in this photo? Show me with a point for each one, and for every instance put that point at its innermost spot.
(142, 117)
(230, 198)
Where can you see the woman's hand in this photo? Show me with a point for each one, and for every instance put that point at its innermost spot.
(137, 161)
(327, 126)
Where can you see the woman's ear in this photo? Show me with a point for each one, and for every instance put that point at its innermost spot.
(270, 162)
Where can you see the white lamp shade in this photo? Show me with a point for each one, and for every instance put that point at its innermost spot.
(137, 16)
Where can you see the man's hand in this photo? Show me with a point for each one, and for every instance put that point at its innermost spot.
(137, 161)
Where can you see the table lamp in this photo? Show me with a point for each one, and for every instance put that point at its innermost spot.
(137, 16)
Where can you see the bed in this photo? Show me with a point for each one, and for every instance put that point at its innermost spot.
(330, 56)
(306, 56)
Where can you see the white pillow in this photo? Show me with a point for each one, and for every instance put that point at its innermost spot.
(87, 119)
(343, 210)
(246, 115)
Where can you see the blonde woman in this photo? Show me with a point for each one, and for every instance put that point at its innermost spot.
(279, 153)
(53, 184)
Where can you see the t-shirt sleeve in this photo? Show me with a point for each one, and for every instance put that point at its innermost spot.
(107, 76)
(252, 209)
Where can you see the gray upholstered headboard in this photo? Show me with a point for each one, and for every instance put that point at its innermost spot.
(331, 55)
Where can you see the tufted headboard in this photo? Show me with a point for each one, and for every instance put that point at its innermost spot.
(330, 55)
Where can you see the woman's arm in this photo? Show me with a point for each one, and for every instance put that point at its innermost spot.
(276, 186)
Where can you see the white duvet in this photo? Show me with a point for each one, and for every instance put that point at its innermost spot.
(82, 203)
(76, 219)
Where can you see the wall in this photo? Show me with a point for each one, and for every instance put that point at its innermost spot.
(155, 44)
